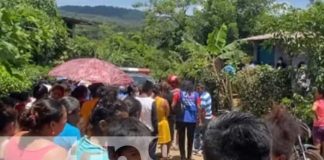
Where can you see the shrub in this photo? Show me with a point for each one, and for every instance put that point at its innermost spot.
(300, 106)
(259, 88)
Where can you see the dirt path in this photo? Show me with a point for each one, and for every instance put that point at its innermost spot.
(175, 155)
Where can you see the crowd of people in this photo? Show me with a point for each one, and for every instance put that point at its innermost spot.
(65, 120)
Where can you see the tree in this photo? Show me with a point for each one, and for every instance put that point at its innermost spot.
(302, 32)
(202, 62)
(240, 16)
(247, 13)
(30, 33)
(173, 15)
(212, 16)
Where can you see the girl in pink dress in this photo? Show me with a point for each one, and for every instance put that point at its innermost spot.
(318, 124)
(44, 120)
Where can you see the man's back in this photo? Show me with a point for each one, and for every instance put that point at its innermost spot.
(146, 112)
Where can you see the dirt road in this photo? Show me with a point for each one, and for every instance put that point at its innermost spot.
(175, 155)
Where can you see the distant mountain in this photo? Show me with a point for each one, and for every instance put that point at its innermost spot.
(104, 13)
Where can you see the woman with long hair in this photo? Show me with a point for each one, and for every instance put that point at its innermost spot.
(186, 121)
(44, 120)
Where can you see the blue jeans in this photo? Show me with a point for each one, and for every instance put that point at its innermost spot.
(199, 135)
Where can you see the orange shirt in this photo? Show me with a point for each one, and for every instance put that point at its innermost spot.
(85, 113)
(87, 108)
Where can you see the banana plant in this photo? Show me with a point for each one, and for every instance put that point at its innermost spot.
(219, 51)
(219, 48)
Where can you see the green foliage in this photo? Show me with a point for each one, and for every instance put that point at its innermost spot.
(80, 47)
(10, 83)
(260, 88)
(300, 106)
(301, 31)
(22, 79)
(217, 40)
(30, 34)
(248, 12)
(47, 6)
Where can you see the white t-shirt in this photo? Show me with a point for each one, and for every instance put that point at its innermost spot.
(146, 113)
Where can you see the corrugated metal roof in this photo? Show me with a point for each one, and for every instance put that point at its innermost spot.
(273, 35)
(260, 37)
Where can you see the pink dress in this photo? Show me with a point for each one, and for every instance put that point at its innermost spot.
(319, 122)
(14, 152)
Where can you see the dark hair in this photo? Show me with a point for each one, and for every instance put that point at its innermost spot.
(80, 92)
(40, 91)
(107, 112)
(70, 103)
(147, 87)
(7, 115)
(127, 127)
(284, 129)
(188, 86)
(156, 89)
(125, 149)
(8, 101)
(65, 84)
(134, 106)
(21, 97)
(108, 95)
(93, 88)
(130, 90)
(237, 136)
(59, 87)
(164, 86)
(200, 84)
(41, 113)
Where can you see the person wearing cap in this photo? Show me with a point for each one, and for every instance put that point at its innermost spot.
(174, 82)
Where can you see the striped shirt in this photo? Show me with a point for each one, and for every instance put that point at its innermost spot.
(206, 104)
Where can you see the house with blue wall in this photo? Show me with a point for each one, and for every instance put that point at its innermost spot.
(267, 52)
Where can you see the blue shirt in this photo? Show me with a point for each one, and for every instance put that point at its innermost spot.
(229, 69)
(206, 104)
(68, 136)
(189, 105)
(85, 148)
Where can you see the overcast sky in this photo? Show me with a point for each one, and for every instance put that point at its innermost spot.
(128, 3)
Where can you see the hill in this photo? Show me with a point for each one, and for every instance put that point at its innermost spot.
(120, 16)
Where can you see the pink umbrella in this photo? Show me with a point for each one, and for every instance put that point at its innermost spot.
(92, 70)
